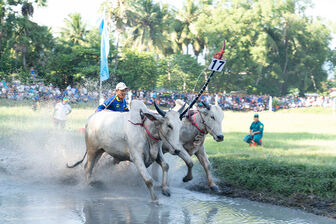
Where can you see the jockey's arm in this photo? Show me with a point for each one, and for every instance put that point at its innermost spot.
(100, 108)
(126, 109)
(103, 106)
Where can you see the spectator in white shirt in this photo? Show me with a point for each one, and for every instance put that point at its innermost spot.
(62, 109)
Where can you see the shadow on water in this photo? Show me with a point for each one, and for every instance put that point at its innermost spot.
(110, 210)
(120, 211)
(188, 207)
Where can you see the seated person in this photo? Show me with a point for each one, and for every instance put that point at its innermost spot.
(256, 131)
(118, 102)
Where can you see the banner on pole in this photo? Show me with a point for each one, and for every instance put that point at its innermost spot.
(104, 49)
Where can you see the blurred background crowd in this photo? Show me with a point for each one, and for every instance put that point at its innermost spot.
(237, 101)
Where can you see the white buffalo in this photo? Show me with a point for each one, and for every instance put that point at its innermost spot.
(136, 136)
(195, 126)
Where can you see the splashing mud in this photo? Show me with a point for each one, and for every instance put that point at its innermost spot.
(36, 187)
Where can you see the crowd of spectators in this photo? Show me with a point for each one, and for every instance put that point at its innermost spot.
(38, 91)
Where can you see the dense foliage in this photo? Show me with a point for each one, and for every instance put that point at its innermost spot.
(273, 46)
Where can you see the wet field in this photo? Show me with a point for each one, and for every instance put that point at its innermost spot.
(24, 202)
(46, 192)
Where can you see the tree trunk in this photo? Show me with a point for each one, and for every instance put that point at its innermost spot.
(70, 80)
(284, 70)
(303, 86)
(1, 34)
(0, 45)
(17, 57)
(0, 41)
(24, 60)
(314, 83)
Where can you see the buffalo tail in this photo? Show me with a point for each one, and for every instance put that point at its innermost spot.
(77, 163)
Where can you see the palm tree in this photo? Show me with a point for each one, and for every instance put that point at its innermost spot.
(116, 14)
(21, 39)
(27, 9)
(74, 30)
(187, 31)
(183, 25)
(149, 26)
(24, 32)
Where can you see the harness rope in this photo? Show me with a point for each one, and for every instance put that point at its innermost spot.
(144, 124)
(192, 119)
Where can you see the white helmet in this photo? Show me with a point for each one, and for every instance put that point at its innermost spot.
(121, 86)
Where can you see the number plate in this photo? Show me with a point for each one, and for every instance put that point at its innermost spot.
(217, 65)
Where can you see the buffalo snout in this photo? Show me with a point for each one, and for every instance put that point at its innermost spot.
(220, 138)
(176, 152)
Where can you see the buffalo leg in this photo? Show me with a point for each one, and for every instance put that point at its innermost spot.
(165, 167)
(203, 159)
(154, 170)
(188, 161)
(138, 161)
(92, 158)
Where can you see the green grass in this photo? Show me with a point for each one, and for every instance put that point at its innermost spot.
(298, 154)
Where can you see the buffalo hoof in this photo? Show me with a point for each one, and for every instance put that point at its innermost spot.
(214, 188)
(186, 179)
(166, 192)
(96, 184)
(226, 190)
(155, 202)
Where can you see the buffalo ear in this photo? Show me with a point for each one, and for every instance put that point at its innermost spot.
(151, 117)
(207, 106)
(192, 112)
(205, 111)
(156, 119)
(142, 115)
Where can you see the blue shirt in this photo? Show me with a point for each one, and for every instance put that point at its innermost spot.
(257, 126)
(115, 104)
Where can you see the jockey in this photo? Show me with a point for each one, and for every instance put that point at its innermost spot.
(118, 102)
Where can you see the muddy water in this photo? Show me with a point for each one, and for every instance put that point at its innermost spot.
(26, 201)
(35, 187)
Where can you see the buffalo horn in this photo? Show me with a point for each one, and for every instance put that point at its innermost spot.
(161, 112)
(182, 108)
(207, 106)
